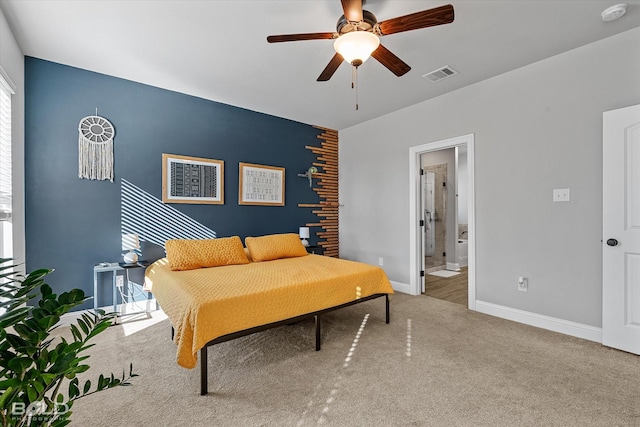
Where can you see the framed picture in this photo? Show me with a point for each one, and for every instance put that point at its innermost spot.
(192, 180)
(261, 185)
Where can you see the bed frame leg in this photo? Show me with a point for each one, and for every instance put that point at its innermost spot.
(203, 371)
(387, 306)
(317, 317)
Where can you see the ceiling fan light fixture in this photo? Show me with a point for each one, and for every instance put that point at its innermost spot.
(356, 46)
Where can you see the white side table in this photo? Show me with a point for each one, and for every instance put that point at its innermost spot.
(126, 295)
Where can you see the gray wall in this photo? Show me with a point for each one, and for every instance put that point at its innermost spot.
(536, 128)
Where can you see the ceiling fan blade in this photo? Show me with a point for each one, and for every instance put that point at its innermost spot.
(426, 18)
(297, 37)
(396, 65)
(352, 10)
(331, 68)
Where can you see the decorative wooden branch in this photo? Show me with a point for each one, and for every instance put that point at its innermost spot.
(327, 188)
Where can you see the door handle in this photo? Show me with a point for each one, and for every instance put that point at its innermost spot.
(612, 242)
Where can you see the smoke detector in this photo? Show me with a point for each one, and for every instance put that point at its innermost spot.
(614, 12)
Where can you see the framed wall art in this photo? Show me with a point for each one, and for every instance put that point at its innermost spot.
(261, 185)
(192, 180)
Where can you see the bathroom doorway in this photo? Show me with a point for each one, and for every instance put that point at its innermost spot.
(452, 221)
(444, 224)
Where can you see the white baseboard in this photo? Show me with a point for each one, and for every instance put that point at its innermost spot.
(453, 266)
(562, 326)
(401, 287)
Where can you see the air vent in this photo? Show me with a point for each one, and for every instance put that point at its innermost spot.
(440, 73)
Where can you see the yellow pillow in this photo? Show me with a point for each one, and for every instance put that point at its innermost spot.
(186, 254)
(275, 246)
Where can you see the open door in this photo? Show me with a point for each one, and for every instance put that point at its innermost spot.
(427, 197)
(621, 228)
(428, 212)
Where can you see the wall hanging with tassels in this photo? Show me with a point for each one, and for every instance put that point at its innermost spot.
(95, 148)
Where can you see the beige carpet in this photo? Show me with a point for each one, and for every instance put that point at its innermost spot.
(436, 364)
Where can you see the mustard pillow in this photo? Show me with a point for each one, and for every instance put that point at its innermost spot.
(186, 254)
(275, 246)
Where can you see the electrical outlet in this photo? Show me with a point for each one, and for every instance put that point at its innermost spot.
(561, 195)
(119, 281)
(523, 284)
(380, 261)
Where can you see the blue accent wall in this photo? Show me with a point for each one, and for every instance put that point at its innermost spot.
(72, 223)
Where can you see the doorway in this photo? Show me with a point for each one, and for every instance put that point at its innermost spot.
(444, 224)
(417, 249)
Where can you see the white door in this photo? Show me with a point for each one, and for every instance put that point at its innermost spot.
(621, 228)
(427, 180)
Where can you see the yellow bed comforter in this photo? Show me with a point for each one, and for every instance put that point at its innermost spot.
(207, 303)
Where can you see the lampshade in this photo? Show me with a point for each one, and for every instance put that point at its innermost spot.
(356, 46)
(304, 232)
(304, 235)
(130, 242)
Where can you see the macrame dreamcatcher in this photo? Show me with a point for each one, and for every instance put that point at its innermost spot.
(95, 148)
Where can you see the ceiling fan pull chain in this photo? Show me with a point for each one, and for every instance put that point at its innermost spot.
(354, 82)
(353, 74)
(356, 88)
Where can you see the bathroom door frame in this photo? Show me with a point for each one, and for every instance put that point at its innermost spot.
(415, 264)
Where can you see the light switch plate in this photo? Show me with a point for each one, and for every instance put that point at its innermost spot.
(561, 195)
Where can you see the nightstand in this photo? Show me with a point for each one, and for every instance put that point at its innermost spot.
(125, 289)
(314, 249)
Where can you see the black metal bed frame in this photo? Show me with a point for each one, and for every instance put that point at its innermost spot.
(234, 335)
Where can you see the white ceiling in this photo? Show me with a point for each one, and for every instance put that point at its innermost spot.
(217, 49)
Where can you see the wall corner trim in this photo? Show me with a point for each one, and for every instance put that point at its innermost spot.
(554, 324)
(10, 86)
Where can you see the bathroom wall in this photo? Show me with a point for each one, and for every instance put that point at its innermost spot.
(463, 192)
(446, 234)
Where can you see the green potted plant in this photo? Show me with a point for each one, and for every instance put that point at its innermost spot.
(38, 372)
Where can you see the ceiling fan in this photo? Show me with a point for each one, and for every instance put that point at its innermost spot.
(359, 29)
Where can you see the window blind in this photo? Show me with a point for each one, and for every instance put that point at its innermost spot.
(5, 147)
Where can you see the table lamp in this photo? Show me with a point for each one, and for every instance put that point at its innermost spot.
(304, 235)
(130, 242)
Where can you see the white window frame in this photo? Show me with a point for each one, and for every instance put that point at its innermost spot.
(7, 89)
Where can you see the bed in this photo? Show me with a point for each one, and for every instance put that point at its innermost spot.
(270, 283)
